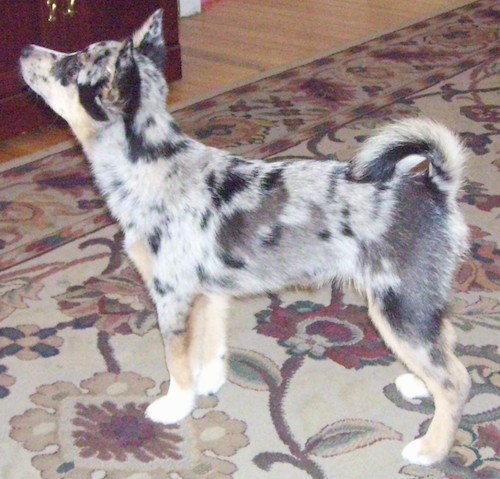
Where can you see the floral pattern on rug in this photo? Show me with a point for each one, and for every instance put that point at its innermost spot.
(310, 390)
(114, 302)
(338, 332)
(28, 341)
(100, 427)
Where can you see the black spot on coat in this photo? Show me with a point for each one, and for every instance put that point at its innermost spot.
(272, 179)
(232, 184)
(154, 240)
(346, 227)
(325, 235)
(410, 319)
(225, 190)
(274, 238)
(205, 219)
(232, 262)
(347, 231)
(89, 95)
(382, 168)
(66, 69)
(162, 288)
(179, 332)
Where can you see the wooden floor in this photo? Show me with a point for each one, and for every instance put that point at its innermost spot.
(235, 41)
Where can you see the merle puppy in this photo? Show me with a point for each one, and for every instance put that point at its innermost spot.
(202, 225)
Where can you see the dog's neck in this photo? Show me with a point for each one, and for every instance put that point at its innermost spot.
(149, 134)
(125, 158)
(127, 150)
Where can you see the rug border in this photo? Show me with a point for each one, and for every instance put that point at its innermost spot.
(215, 93)
(306, 61)
(39, 155)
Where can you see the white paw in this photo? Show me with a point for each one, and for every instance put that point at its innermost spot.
(173, 407)
(418, 452)
(211, 377)
(411, 387)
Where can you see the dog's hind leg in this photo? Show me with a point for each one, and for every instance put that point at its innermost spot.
(429, 355)
(411, 387)
(207, 350)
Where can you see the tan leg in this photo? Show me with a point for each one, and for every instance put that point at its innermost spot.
(140, 255)
(175, 312)
(207, 329)
(174, 308)
(194, 351)
(180, 398)
(445, 378)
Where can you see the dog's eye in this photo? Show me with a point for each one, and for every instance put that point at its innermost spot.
(66, 69)
(72, 71)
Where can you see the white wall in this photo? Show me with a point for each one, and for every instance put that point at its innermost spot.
(189, 7)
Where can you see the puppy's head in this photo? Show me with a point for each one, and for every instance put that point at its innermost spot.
(103, 82)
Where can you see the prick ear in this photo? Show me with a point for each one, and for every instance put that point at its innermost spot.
(149, 41)
(125, 59)
(124, 92)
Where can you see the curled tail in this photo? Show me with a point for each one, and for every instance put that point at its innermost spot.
(399, 147)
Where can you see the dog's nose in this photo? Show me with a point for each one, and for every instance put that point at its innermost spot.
(26, 51)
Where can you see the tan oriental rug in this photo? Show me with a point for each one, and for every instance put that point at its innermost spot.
(310, 392)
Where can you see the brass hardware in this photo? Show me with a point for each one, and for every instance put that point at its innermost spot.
(69, 11)
(52, 4)
(70, 8)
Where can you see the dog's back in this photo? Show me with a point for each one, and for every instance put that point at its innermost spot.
(275, 223)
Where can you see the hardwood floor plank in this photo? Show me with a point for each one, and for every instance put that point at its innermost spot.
(235, 41)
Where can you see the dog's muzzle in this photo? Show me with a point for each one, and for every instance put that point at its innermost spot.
(27, 51)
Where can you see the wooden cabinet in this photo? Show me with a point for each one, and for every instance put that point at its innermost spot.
(23, 22)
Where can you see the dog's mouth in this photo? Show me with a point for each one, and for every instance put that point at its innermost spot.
(26, 52)
(37, 70)
(29, 73)
(25, 70)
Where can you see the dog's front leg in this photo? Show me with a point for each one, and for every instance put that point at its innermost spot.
(140, 254)
(173, 310)
(207, 348)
